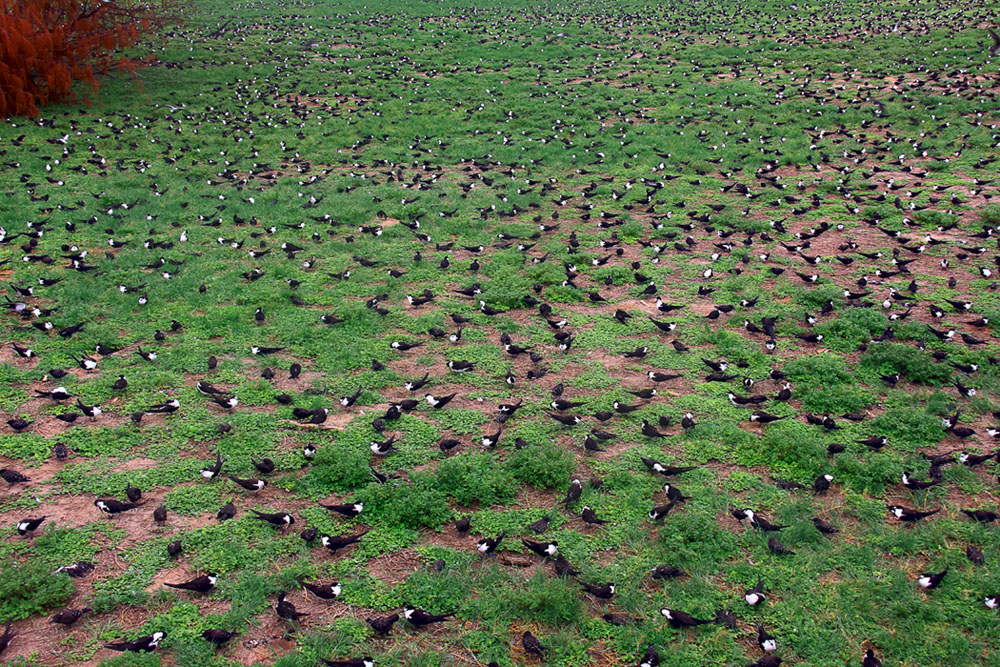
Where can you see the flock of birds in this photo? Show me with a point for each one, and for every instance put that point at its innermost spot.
(884, 194)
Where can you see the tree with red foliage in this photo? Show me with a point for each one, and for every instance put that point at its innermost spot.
(47, 45)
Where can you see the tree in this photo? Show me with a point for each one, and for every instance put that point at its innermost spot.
(47, 45)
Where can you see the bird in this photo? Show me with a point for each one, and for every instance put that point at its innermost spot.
(755, 594)
(382, 624)
(590, 516)
(929, 580)
(213, 471)
(975, 555)
(680, 619)
(12, 476)
(917, 485)
(487, 546)
(348, 510)
(133, 494)
(910, 515)
(249, 484)
(367, 661)
(765, 640)
(531, 644)
(981, 516)
(420, 618)
(111, 506)
(666, 471)
(573, 492)
(277, 519)
(226, 512)
(286, 609)
(263, 466)
(142, 644)
(870, 660)
(68, 616)
(202, 584)
(26, 526)
(543, 549)
(602, 592)
(760, 523)
(338, 542)
(217, 636)
(324, 592)
(778, 548)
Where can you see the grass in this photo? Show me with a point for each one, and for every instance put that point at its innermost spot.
(687, 137)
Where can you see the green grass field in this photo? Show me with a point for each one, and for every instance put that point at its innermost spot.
(812, 184)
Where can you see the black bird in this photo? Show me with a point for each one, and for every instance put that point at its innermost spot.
(68, 616)
(438, 402)
(975, 555)
(277, 519)
(822, 484)
(264, 466)
(213, 471)
(286, 609)
(18, 424)
(726, 618)
(323, 592)
(756, 594)
(824, 527)
(25, 526)
(875, 442)
(488, 545)
(765, 640)
(226, 512)
(680, 619)
(160, 514)
(590, 516)
(760, 523)
(778, 548)
(931, 580)
(351, 662)
(338, 542)
(981, 516)
(249, 484)
(12, 476)
(217, 636)
(650, 658)
(145, 644)
(975, 459)
(111, 506)
(651, 431)
(543, 549)
(541, 525)
(917, 485)
(421, 618)
(202, 584)
(348, 510)
(382, 625)
(531, 644)
(563, 567)
(174, 549)
(910, 515)
(565, 420)
(660, 512)
(666, 572)
(132, 493)
(870, 660)
(674, 494)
